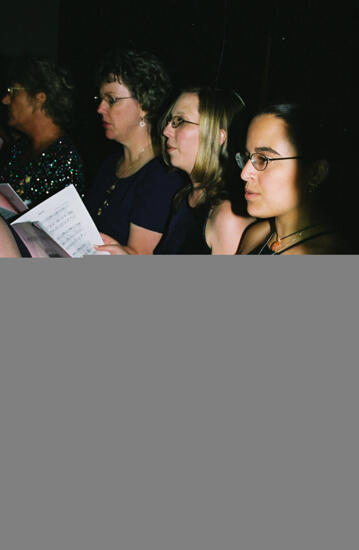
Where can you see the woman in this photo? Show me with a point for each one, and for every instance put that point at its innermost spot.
(132, 192)
(286, 168)
(195, 140)
(40, 108)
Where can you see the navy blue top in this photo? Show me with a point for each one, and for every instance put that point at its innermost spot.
(143, 198)
(185, 233)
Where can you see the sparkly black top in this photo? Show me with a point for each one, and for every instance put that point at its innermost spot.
(55, 168)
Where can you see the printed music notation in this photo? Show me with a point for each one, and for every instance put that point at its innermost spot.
(66, 226)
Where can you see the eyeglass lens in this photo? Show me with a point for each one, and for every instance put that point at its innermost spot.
(258, 161)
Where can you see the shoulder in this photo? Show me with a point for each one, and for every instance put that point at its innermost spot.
(156, 174)
(158, 168)
(222, 216)
(109, 164)
(254, 235)
(224, 228)
(65, 143)
(64, 150)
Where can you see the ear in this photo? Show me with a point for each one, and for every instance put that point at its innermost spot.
(40, 99)
(318, 173)
(222, 136)
(143, 114)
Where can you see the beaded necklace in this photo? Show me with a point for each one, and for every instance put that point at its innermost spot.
(294, 241)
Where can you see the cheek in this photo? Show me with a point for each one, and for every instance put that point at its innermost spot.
(282, 197)
(188, 144)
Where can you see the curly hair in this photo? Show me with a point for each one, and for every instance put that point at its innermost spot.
(39, 74)
(142, 73)
(217, 109)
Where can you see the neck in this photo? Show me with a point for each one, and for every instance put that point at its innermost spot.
(289, 231)
(195, 195)
(293, 221)
(43, 133)
(135, 156)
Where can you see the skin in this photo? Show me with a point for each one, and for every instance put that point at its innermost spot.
(223, 228)
(277, 191)
(121, 123)
(8, 247)
(183, 142)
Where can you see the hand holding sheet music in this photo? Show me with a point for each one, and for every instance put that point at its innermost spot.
(66, 227)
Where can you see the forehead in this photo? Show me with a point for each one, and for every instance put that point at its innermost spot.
(114, 88)
(187, 103)
(269, 131)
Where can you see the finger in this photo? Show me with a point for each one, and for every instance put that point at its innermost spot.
(113, 249)
(107, 239)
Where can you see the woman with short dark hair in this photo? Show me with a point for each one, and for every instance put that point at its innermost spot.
(40, 100)
(131, 196)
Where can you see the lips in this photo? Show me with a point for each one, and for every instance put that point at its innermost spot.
(170, 148)
(249, 194)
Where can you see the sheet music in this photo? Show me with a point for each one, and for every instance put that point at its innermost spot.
(65, 218)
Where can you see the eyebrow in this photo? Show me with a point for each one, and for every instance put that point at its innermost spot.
(266, 150)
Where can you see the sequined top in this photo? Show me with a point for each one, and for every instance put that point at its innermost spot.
(55, 168)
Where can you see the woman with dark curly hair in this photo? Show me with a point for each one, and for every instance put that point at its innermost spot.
(196, 133)
(40, 107)
(131, 196)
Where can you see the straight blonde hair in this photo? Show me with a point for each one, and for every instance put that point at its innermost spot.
(217, 109)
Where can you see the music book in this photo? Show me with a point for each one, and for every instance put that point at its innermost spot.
(59, 227)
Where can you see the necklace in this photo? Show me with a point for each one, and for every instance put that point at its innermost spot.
(275, 246)
(265, 244)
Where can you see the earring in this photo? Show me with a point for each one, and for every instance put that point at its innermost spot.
(313, 186)
(142, 123)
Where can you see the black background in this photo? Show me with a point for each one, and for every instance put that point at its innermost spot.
(264, 51)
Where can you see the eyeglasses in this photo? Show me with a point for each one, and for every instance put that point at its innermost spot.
(12, 90)
(259, 161)
(176, 121)
(109, 99)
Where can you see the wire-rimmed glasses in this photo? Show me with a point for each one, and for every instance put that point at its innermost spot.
(109, 99)
(176, 121)
(258, 160)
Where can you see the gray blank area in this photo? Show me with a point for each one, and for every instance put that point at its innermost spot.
(179, 403)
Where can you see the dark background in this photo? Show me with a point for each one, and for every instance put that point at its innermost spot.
(264, 51)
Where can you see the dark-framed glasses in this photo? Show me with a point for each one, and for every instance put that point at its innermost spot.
(12, 90)
(258, 160)
(109, 99)
(176, 121)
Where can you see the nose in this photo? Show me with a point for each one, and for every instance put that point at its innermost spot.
(247, 171)
(168, 130)
(102, 107)
(6, 99)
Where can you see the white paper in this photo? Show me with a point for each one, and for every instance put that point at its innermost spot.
(65, 218)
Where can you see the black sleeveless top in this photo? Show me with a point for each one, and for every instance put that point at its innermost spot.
(185, 232)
